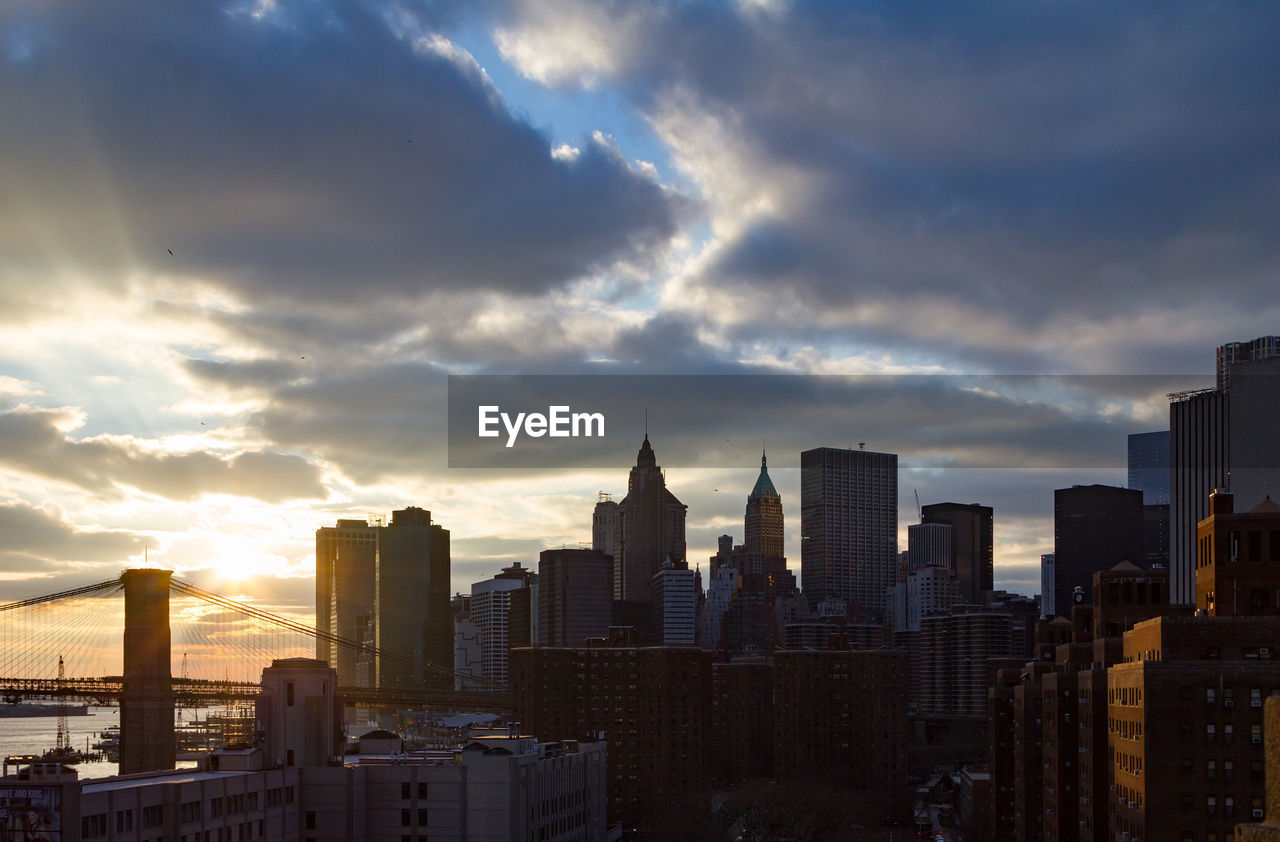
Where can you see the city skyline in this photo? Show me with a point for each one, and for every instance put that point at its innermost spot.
(245, 244)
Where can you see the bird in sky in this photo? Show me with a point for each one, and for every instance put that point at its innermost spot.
(171, 252)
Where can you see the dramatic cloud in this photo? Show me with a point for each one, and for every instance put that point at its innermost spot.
(988, 183)
(34, 441)
(38, 539)
(336, 155)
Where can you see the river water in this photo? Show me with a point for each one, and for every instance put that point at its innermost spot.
(37, 734)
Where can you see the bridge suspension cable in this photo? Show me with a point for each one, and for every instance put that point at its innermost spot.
(188, 589)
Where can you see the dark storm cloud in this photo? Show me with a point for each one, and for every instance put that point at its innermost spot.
(31, 442)
(312, 153)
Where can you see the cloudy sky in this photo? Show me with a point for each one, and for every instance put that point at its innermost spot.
(242, 245)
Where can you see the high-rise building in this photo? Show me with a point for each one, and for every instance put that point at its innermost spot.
(848, 526)
(929, 545)
(1095, 527)
(386, 586)
(501, 610)
(617, 688)
(1185, 735)
(673, 595)
(643, 531)
(413, 622)
(1149, 466)
(345, 579)
(1048, 586)
(842, 716)
(1230, 353)
(575, 592)
(973, 545)
(764, 516)
(1222, 438)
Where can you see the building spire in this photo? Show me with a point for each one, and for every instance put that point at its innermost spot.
(764, 485)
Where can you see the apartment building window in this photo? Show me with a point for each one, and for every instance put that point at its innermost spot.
(404, 818)
(124, 821)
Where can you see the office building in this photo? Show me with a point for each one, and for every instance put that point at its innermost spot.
(346, 575)
(929, 545)
(1231, 353)
(1238, 559)
(642, 532)
(1222, 438)
(849, 526)
(763, 519)
(973, 545)
(501, 608)
(575, 593)
(927, 591)
(1149, 466)
(1048, 586)
(386, 586)
(673, 598)
(1095, 527)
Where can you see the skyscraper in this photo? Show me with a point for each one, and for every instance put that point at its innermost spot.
(929, 545)
(1048, 586)
(1222, 438)
(412, 618)
(764, 516)
(973, 545)
(1149, 466)
(345, 579)
(1095, 527)
(848, 526)
(575, 592)
(386, 586)
(500, 609)
(646, 528)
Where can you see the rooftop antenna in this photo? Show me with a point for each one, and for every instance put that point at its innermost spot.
(646, 422)
(862, 445)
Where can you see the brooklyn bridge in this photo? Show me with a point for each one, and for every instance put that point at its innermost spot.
(81, 630)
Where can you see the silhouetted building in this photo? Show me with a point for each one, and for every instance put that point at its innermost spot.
(1149, 466)
(742, 715)
(763, 519)
(950, 654)
(1238, 559)
(652, 703)
(842, 716)
(1095, 527)
(929, 545)
(1048, 586)
(849, 526)
(642, 531)
(575, 590)
(972, 543)
(397, 601)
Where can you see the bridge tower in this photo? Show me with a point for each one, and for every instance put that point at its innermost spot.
(146, 700)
